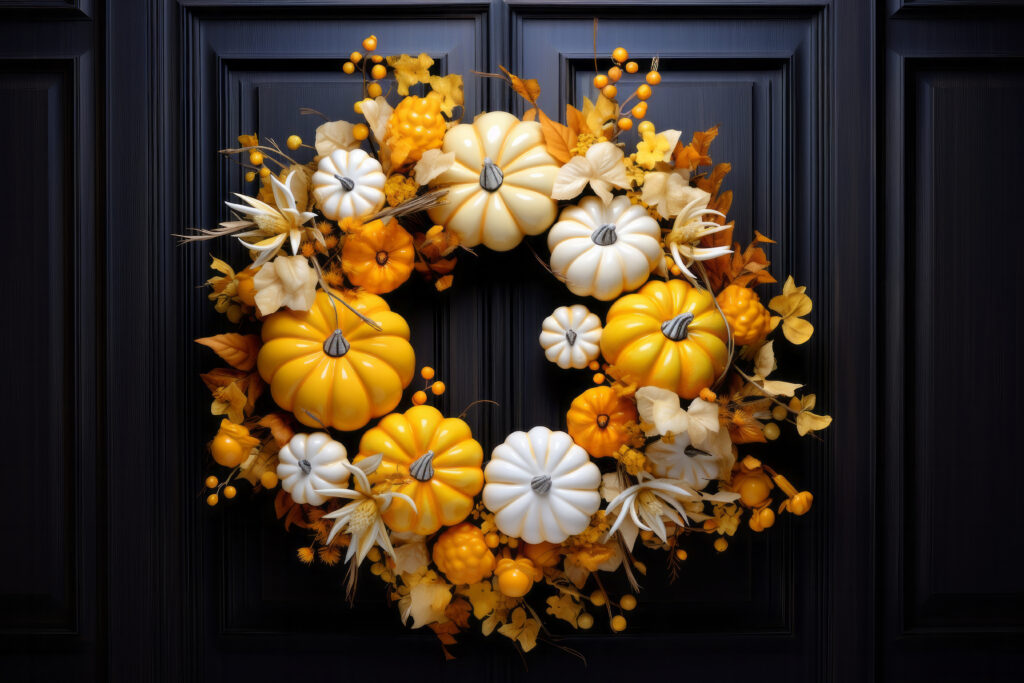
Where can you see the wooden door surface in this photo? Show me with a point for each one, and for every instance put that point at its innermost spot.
(878, 142)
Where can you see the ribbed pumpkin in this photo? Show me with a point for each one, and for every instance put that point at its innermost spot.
(379, 257)
(330, 368)
(436, 459)
(668, 335)
(597, 420)
(749, 320)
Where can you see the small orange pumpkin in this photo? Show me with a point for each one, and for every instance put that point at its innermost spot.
(598, 421)
(379, 257)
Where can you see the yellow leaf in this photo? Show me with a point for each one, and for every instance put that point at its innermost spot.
(410, 70)
(791, 305)
(528, 89)
(521, 629)
(433, 163)
(279, 428)
(797, 330)
(575, 120)
(482, 597)
(450, 89)
(248, 140)
(806, 421)
(596, 115)
(230, 401)
(557, 138)
(444, 282)
(222, 267)
(530, 114)
(239, 350)
(565, 607)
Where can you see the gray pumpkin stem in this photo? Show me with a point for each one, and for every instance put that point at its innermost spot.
(346, 183)
(605, 236)
(570, 336)
(336, 345)
(541, 484)
(491, 176)
(305, 466)
(422, 468)
(675, 329)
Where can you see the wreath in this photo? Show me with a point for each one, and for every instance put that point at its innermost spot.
(683, 362)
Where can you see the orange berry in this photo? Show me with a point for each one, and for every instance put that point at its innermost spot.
(653, 77)
(681, 555)
(419, 398)
(256, 158)
(721, 544)
(618, 623)
(374, 90)
(620, 54)
(377, 59)
(293, 142)
(609, 91)
(600, 81)
(632, 67)
(250, 176)
(598, 378)
(585, 620)
(627, 602)
(640, 110)
(779, 412)
(370, 43)
(427, 372)
(594, 365)
(355, 57)
(644, 91)
(437, 388)
(348, 67)
(264, 172)
(771, 431)
(269, 479)
(212, 499)
(358, 107)
(625, 124)
(230, 491)
(614, 73)
(211, 482)
(378, 71)
(598, 598)
(675, 270)
(360, 131)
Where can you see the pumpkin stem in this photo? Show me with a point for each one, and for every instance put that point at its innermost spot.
(382, 258)
(491, 176)
(602, 420)
(570, 336)
(605, 235)
(346, 183)
(336, 345)
(541, 484)
(305, 466)
(675, 329)
(422, 468)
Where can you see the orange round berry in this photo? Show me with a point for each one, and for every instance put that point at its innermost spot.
(598, 378)
(378, 71)
(620, 54)
(594, 365)
(419, 398)
(600, 81)
(614, 73)
(618, 623)
(211, 482)
(632, 67)
(230, 491)
(250, 176)
(644, 91)
(639, 110)
(212, 499)
(370, 43)
(348, 67)
(625, 124)
(256, 158)
(437, 388)
(269, 479)
(374, 90)
(721, 544)
(427, 372)
(653, 77)
(360, 131)
(355, 57)
(609, 91)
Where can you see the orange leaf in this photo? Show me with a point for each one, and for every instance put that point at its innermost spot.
(237, 349)
(528, 89)
(530, 114)
(221, 377)
(279, 427)
(713, 183)
(458, 610)
(557, 138)
(575, 120)
(702, 144)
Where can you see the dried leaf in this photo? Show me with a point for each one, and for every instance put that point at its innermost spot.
(597, 115)
(433, 163)
(426, 602)
(458, 612)
(565, 607)
(377, 113)
(335, 135)
(231, 401)
(601, 167)
(575, 121)
(521, 629)
(806, 421)
(450, 89)
(410, 70)
(279, 426)
(528, 89)
(239, 350)
(557, 138)
(482, 597)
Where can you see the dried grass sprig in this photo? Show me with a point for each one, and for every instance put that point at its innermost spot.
(417, 204)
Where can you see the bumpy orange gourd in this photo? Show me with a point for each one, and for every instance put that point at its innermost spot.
(432, 459)
(668, 335)
(415, 127)
(379, 257)
(462, 555)
(597, 420)
(232, 444)
(748, 319)
(516, 577)
(332, 369)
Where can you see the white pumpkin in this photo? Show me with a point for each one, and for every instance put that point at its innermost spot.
(349, 184)
(541, 486)
(499, 187)
(681, 461)
(605, 250)
(571, 336)
(310, 462)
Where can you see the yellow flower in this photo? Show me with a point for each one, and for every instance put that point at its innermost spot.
(584, 142)
(632, 459)
(728, 518)
(634, 172)
(398, 189)
(225, 291)
(655, 148)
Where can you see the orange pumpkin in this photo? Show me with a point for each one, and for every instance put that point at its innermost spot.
(668, 335)
(749, 320)
(379, 257)
(598, 420)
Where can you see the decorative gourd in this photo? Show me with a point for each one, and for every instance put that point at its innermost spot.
(749, 320)
(415, 126)
(312, 462)
(232, 444)
(332, 369)
(516, 577)
(499, 187)
(604, 250)
(570, 336)
(436, 459)
(462, 555)
(598, 420)
(379, 257)
(668, 335)
(541, 486)
(349, 184)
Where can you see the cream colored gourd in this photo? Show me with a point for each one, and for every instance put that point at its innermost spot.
(604, 250)
(677, 459)
(309, 462)
(571, 336)
(541, 486)
(499, 187)
(349, 184)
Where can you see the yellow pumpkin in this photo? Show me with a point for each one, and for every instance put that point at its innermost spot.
(432, 459)
(668, 335)
(379, 257)
(748, 319)
(597, 420)
(332, 369)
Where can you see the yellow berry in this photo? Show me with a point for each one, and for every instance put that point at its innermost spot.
(653, 77)
(598, 598)
(374, 554)
(212, 499)
(374, 90)
(632, 67)
(625, 124)
(585, 620)
(370, 43)
(675, 270)
(628, 602)
(256, 158)
(250, 176)
(639, 110)
(211, 482)
(512, 543)
(721, 544)
(645, 127)
(437, 388)
(766, 517)
(378, 71)
(771, 431)
(598, 378)
(377, 59)
(360, 131)
(618, 623)
(264, 172)
(644, 91)
(609, 91)
(779, 412)
(492, 540)
(358, 107)
(230, 491)
(427, 372)
(619, 54)
(600, 81)
(293, 142)
(419, 398)
(614, 73)
(348, 67)
(268, 479)
(355, 57)
(681, 555)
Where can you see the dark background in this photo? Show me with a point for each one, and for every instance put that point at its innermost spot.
(880, 143)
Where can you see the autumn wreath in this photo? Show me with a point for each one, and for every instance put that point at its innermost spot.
(683, 362)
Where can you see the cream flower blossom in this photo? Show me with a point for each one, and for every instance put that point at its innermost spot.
(286, 281)
(670, 192)
(273, 225)
(601, 166)
(698, 424)
(646, 505)
(687, 231)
